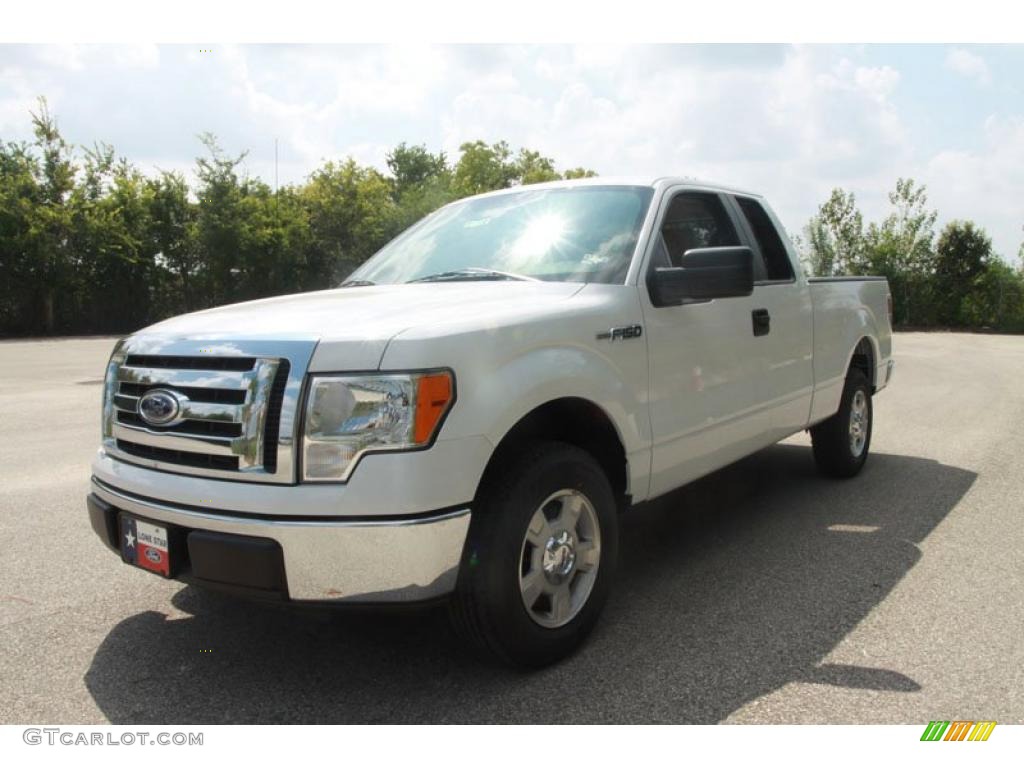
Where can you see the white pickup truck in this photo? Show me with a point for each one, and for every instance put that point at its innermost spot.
(466, 417)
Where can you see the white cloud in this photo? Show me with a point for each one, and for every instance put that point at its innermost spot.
(969, 65)
(792, 129)
(985, 185)
(879, 82)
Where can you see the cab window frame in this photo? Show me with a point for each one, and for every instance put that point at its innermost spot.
(761, 270)
(658, 240)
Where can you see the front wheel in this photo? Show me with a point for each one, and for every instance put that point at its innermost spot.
(539, 557)
(841, 442)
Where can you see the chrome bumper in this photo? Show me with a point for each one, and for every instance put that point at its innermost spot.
(355, 561)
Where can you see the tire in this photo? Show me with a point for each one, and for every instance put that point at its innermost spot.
(840, 445)
(503, 569)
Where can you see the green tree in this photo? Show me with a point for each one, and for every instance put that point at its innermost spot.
(219, 220)
(422, 182)
(818, 254)
(903, 242)
(961, 255)
(20, 195)
(413, 167)
(172, 236)
(533, 168)
(580, 173)
(114, 254)
(51, 221)
(995, 299)
(840, 235)
(274, 241)
(484, 167)
(901, 248)
(352, 213)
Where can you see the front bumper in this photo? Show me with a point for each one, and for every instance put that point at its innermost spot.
(393, 560)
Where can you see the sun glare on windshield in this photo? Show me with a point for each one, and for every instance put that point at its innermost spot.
(578, 234)
(540, 235)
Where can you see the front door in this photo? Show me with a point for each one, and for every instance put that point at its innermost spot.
(704, 358)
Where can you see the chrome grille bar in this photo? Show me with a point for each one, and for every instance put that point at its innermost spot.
(185, 378)
(179, 441)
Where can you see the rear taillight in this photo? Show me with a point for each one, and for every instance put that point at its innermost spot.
(889, 302)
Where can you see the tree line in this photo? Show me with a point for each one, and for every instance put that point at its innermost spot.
(90, 244)
(952, 280)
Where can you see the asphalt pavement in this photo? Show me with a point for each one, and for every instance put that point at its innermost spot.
(761, 594)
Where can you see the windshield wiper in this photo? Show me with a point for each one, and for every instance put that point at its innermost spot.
(472, 273)
(356, 283)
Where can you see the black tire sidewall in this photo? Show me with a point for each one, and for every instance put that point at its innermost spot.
(832, 443)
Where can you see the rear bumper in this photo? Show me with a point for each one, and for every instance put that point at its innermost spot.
(408, 559)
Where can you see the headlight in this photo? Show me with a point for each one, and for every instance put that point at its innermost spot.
(347, 416)
(110, 385)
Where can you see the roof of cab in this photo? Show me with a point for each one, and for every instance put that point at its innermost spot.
(626, 181)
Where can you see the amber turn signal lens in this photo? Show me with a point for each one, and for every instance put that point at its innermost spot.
(433, 396)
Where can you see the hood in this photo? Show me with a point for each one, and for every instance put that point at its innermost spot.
(354, 325)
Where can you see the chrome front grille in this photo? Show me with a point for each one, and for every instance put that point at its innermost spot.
(233, 415)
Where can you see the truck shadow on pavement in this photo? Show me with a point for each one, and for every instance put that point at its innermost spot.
(727, 590)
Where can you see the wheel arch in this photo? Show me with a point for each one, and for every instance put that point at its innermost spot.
(574, 420)
(864, 356)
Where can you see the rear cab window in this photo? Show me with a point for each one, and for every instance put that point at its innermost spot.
(767, 239)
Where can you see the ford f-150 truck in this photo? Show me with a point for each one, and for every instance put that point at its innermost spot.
(466, 417)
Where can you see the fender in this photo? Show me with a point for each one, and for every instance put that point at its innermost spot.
(504, 373)
(589, 377)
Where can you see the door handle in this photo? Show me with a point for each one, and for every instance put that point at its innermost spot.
(762, 322)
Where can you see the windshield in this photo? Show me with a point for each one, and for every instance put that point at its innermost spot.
(575, 234)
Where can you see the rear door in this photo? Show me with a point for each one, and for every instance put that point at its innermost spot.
(703, 356)
(785, 321)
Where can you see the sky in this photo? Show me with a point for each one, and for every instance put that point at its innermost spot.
(790, 122)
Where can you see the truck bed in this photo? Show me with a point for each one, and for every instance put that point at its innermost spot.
(847, 309)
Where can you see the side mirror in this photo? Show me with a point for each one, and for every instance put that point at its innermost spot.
(703, 274)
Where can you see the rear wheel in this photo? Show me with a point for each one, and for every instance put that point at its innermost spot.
(539, 557)
(841, 442)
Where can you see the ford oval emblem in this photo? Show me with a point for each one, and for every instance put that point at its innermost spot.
(152, 555)
(159, 407)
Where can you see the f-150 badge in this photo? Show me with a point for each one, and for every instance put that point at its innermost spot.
(622, 332)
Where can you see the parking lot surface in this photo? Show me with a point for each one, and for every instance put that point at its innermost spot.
(761, 594)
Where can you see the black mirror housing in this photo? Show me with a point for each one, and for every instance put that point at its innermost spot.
(704, 274)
